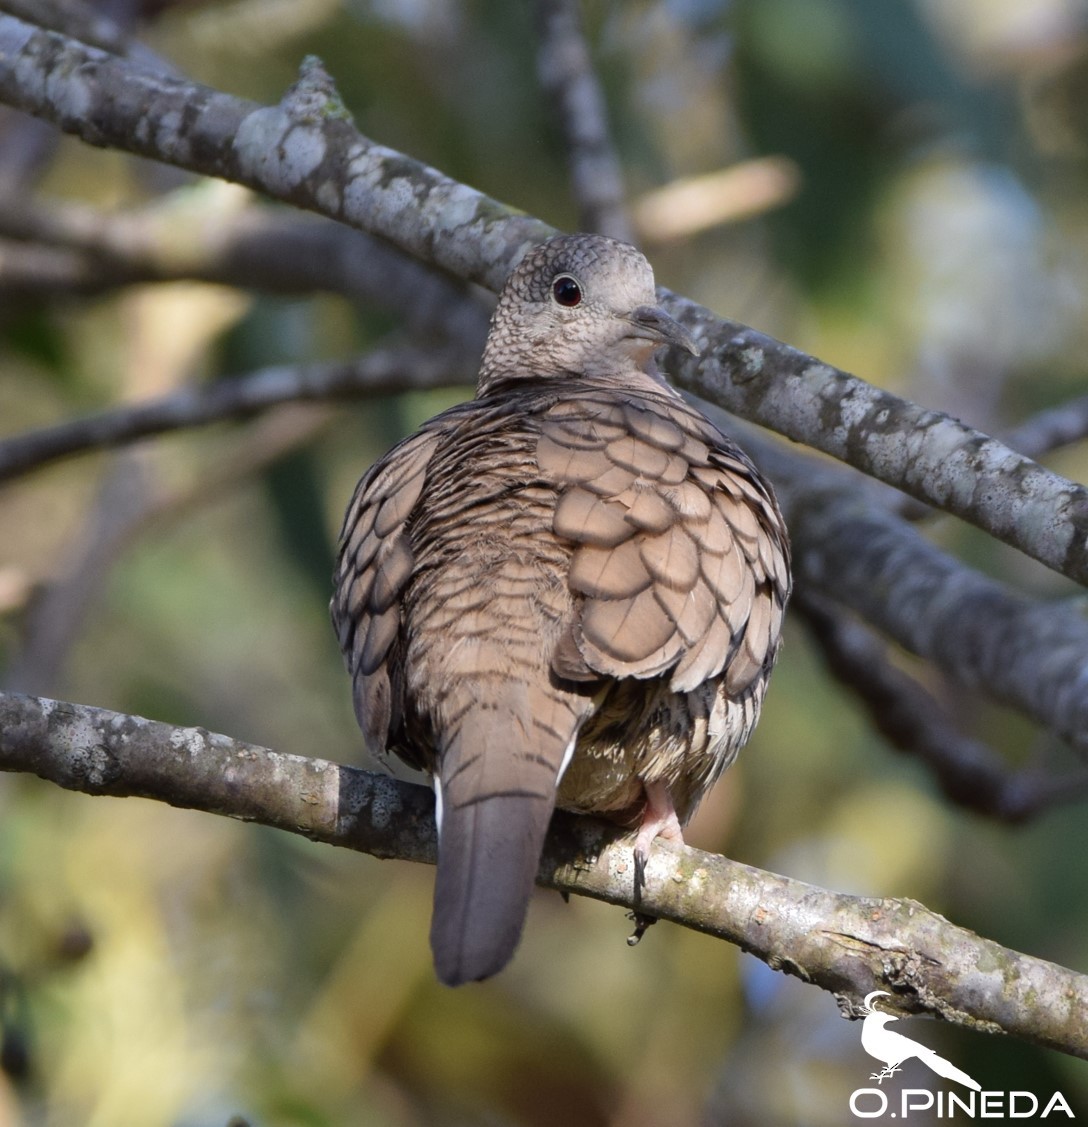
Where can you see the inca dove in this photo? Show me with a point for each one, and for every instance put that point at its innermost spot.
(567, 591)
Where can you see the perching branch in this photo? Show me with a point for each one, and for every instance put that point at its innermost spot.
(846, 945)
(305, 152)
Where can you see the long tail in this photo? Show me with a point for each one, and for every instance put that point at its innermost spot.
(498, 772)
(947, 1070)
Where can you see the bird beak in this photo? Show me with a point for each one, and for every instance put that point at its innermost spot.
(651, 322)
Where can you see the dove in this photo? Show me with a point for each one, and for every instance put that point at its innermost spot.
(566, 592)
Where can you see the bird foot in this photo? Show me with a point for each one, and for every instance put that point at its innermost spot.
(658, 820)
(885, 1073)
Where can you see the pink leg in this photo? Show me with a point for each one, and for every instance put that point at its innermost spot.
(658, 820)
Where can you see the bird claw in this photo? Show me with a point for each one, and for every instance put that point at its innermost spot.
(641, 857)
(885, 1074)
(642, 924)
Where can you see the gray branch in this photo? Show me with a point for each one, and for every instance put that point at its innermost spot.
(930, 456)
(570, 84)
(386, 371)
(192, 234)
(79, 20)
(1030, 654)
(913, 721)
(1051, 429)
(846, 945)
(304, 152)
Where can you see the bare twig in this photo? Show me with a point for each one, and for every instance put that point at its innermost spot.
(212, 233)
(847, 945)
(323, 164)
(131, 501)
(970, 773)
(1051, 429)
(570, 84)
(29, 271)
(73, 18)
(385, 371)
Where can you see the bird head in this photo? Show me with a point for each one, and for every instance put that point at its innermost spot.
(868, 1006)
(581, 304)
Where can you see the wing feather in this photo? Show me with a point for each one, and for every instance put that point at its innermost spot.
(374, 565)
(680, 555)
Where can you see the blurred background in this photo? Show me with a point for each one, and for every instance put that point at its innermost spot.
(900, 188)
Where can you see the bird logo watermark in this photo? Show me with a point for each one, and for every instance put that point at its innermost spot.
(893, 1050)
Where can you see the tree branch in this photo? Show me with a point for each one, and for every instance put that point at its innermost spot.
(926, 454)
(211, 234)
(570, 84)
(847, 945)
(853, 550)
(80, 21)
(385, 371)
(913, 721)
(1048, 430)
(304, 152)
(132, 500)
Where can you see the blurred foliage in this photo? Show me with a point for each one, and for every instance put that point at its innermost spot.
(160, 967)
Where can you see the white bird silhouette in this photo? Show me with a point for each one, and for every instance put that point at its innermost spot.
(894, 1048)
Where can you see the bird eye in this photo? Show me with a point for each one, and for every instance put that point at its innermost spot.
(566, 291)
